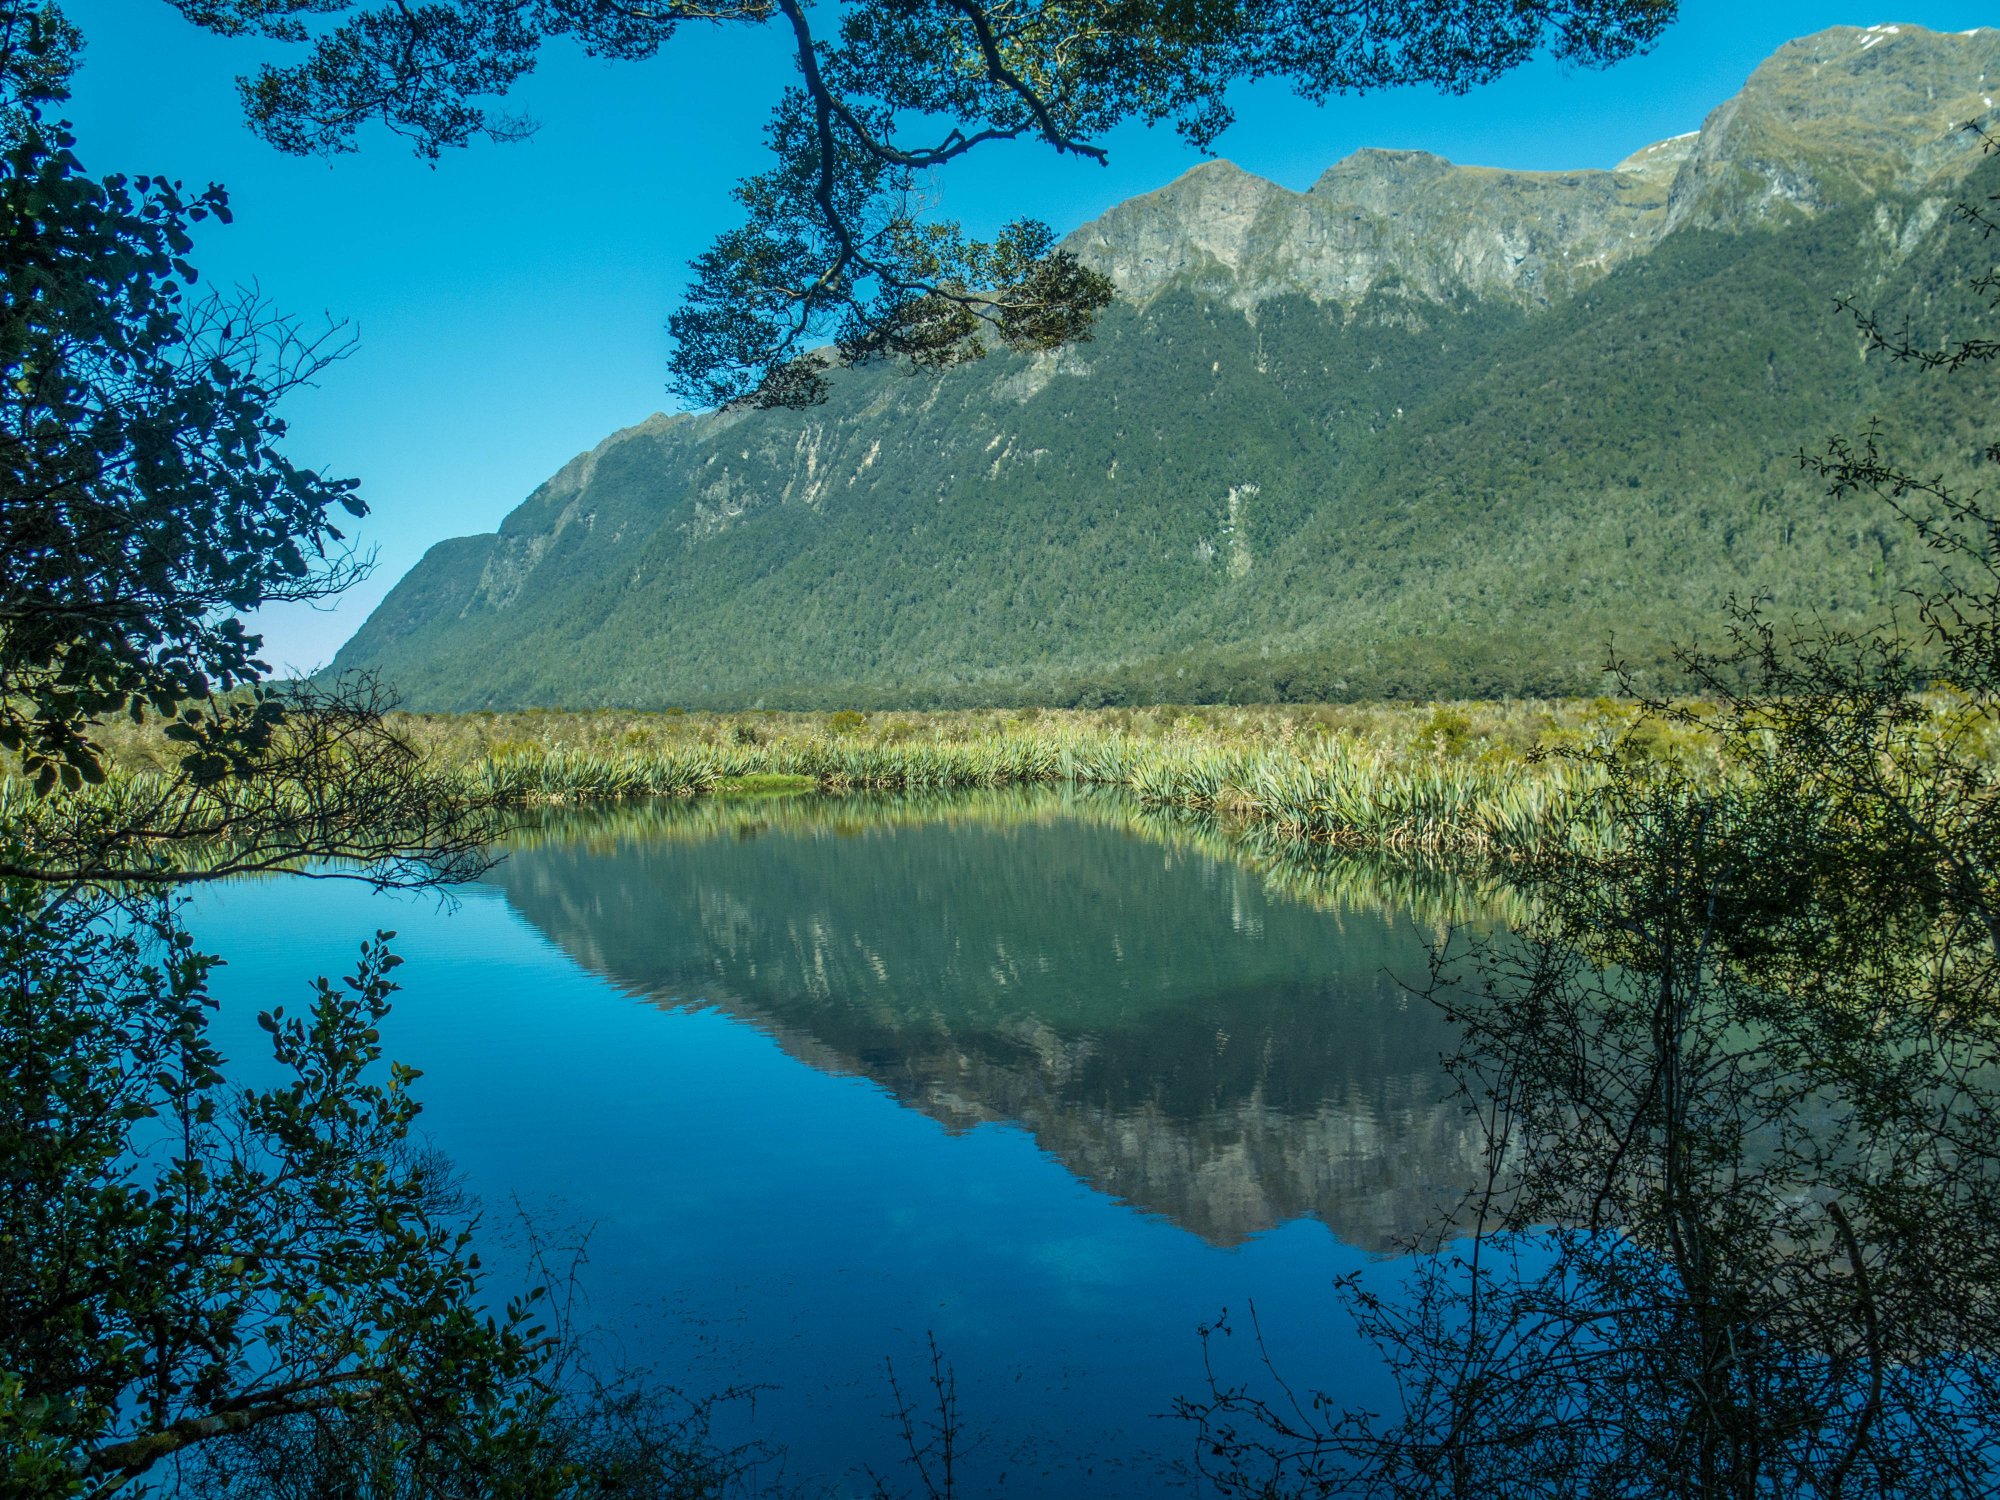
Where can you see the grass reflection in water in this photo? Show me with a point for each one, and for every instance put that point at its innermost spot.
(1158, 998)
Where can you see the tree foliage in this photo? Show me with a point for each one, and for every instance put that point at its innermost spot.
(38, 55)
(185, 1262)
(1743, 1061)
(146, 503)
(272, 1289)
(836, 244)
(1725, 1064)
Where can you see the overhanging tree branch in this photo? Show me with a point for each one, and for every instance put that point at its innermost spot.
(896, 87)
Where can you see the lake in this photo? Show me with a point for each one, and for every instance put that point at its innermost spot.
(1049, 1080)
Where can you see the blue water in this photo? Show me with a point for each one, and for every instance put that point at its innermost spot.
(792, 1170)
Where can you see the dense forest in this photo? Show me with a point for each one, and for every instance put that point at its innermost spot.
(1238, 491)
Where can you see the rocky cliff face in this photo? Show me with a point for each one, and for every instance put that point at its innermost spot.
(1405, 220)
(1845, 114)
(1849, 111)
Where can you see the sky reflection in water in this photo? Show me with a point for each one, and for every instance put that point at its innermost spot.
(1048, 1081)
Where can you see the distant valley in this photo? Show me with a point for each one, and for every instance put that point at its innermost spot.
(1423, 430)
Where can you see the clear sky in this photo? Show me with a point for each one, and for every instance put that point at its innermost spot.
(511, 302)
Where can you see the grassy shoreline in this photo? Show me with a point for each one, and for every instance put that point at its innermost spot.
(1501, 780)
(1488, 779)
(1485, 778)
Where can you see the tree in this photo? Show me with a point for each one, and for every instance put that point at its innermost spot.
(270, 1285)
(38, 54)
(145, 503)
(183, 1263)
(182, 1260)
(836, 244)
(1738, 1232)
(1742, 1060)
(145, 498)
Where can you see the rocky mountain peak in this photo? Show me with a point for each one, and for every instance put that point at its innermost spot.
(1373, 165)
(1847, 113)
(1204, 228)
(1844, 114)
(1411, 219)
(1662, 157)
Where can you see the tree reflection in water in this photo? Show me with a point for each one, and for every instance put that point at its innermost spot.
(1745, 1064)
(1736, 1226)
(1752, 1091)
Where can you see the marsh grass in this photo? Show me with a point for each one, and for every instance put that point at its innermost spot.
(1491, 778)
(1472, 777)
(1468, 777)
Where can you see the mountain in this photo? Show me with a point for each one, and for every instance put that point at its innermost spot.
(1424, 429)
(1184, 1038)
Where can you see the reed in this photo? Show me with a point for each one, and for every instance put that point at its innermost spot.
(1346, 792)
(562, 775)
(1488, 778)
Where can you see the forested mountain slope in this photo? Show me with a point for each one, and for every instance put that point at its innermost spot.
(1424, 429)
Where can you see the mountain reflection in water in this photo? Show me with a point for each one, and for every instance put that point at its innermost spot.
(1225, 1041)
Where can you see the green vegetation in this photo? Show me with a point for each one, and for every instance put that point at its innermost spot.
(1490, 778)
(1289, 501)
(1365, 778)
(763, 784)
(1503, 732)
(1499, 778)
(1735, 1078)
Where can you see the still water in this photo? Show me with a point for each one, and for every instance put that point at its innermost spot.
(821, 1079)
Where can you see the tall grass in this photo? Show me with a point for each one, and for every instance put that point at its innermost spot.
(1341, 790)
(564, 775)
(1474, 777)
(1493, 780)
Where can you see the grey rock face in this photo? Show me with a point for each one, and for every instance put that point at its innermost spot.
(1841, 115)
(1378, 220)
(1847, 112)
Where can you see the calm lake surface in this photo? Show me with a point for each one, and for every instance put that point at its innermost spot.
(1051, 1081)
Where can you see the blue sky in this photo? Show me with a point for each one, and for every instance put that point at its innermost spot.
(511, 302)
